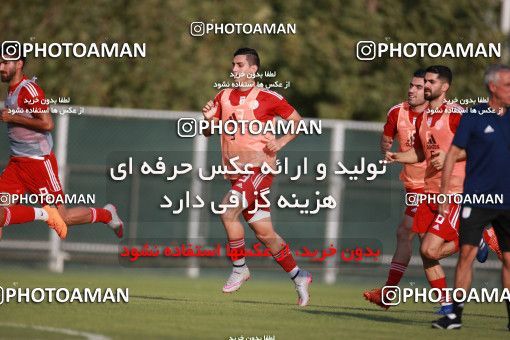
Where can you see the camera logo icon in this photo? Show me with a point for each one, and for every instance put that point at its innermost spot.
(366, 50)
(197, 28)
(391, 295)
(412, 199)
(11, 50)
(187, 127)
(5, 199)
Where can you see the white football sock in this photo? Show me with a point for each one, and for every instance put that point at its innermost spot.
(293, 273)
(40, 214)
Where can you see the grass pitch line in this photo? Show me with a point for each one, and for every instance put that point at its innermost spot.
(86, 335)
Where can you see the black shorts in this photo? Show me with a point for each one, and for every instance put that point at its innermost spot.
(474, 220)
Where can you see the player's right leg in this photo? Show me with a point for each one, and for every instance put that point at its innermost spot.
(505, 277)
(438, 237)
(40, 176)
(502, 229)
(19, 214)
(491, 240)
(235, 235)
(463, 277)
(400, 259)
(441, 239)
(436, 277)
(84, 215)
(265, 233)
(472, 224)
(436, 248)
(432, 250)
(13, 213)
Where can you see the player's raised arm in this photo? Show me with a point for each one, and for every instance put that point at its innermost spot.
(277, 144)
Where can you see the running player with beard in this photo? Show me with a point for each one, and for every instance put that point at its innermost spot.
(401, 123)
(436, 129)
(32, 165)
(250, 102)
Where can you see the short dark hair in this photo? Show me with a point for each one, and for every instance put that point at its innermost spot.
(251, 55)
(21, 55)
(419, 73)
(443, 72)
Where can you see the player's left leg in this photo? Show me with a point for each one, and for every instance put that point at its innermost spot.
(403, 251)
(441, 239)
(41, 177)
(18, 214)
(436, 277)
(502, 228)
(463, 277)
(12, 182)
(490, 239)
(422, 223)
(265, 233)
(433, 248)
(472, 224)
(235, 236)
(505, 279)
(436, 248)
(400, 259)
(471, 227)
(85, 215)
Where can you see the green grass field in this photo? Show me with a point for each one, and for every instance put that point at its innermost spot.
(166, 305)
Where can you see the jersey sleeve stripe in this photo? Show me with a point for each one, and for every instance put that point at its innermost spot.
(394, 107)
(277, 95)
(34, 91)
(31, 89)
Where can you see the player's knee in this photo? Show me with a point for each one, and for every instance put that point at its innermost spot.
(265, 236)
(467, 254)
(230, 215)
(429, 252)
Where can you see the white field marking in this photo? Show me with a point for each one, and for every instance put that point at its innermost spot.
(86, 335)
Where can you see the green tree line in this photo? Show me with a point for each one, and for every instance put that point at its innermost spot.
(326, 79)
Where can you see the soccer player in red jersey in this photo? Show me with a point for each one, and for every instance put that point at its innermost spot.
(32, 166)
(401, 123)
(250, 102)
(436, 128)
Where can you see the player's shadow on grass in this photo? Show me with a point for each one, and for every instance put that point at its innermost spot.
(366, 316)
(162, 298)
(371, 309)
(277, 303)
(361, 309)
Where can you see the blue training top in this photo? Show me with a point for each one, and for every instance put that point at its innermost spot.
(486, 139)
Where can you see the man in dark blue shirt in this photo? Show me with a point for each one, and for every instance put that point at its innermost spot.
(484, 135)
